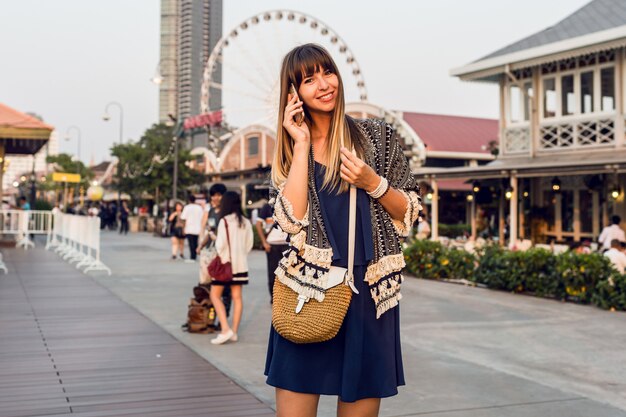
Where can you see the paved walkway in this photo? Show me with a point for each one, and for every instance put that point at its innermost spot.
(467, 352)
(69, 347)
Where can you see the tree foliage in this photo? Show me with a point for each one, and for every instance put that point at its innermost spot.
(134, 175)
(64, 163)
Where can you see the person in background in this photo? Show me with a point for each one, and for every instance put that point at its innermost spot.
(612, 232)
(233, 242)
(124, 213)
(176, 231)
(274, 242)
(112, 215)
(423, 229)
(210, 219)
(24, 205)
(192, 215)
(211, 215)
(582, 248)
(617, 256)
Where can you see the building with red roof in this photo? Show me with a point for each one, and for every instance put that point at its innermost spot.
(22, 135)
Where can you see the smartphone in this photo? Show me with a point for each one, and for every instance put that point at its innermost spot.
(299, 118)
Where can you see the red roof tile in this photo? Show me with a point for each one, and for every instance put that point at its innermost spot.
(453, 133)
(10, 117)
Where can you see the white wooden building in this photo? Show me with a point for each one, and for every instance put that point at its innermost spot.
(562, 146)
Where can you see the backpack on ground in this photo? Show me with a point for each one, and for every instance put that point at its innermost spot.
(200, 312)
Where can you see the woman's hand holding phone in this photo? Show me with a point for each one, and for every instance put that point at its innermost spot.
(298, 132)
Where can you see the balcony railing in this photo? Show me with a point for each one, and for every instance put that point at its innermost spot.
(517, 139)
(573, 132)
(578, 132)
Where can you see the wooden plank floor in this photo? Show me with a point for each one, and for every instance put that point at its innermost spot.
(70, 347)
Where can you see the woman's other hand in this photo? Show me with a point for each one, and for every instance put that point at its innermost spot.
(299, 134)
(356, 172)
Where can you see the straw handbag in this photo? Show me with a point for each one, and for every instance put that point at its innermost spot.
(299, 320)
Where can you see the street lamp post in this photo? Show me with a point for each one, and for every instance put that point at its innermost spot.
(177, 135)
(175, 176)
(106, 117)
(158, 77)
(78, 140)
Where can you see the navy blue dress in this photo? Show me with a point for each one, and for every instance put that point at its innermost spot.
(364, 360)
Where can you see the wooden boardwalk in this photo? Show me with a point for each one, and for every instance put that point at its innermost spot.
(69, 347)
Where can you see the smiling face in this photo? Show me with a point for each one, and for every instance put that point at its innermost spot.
(313, 71)
(215, 200)
(319, 91)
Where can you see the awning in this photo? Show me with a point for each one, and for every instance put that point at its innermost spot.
(579, 163)
(114, 195)
(20, 133)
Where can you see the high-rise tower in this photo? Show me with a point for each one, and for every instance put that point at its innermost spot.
(190, 29)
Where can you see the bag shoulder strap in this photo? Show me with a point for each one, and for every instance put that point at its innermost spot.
(230, 257)
(352, 236)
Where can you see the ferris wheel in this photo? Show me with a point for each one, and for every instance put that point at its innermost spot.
(241, 76)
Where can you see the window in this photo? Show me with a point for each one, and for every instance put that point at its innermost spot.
(567, 211)
(549, 203)
(586, 211)
(568, 98)
(528, 94)
(515, 97)
(253, 146)
(586, 92)
(549, 97)
(607, 88)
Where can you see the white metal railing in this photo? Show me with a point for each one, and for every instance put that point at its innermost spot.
(517, 139)
(77, 239)
(578, 132)
(24, 224)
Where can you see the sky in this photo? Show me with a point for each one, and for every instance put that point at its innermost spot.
(66, 59)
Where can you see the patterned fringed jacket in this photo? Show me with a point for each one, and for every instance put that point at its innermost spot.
(304, 267)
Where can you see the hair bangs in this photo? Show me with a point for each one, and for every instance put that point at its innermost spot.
(308, 60)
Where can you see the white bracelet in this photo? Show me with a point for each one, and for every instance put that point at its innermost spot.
(381, 189)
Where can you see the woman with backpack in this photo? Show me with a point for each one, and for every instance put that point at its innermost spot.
(233, 243)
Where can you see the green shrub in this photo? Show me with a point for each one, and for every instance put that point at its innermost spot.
(610, 293)
(42, 205)
(422, 257)
(579, 275)
(538, 269)
(568, 276)
(431, 260)
(494, 268)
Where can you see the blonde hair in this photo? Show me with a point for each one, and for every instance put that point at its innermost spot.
(300, 62)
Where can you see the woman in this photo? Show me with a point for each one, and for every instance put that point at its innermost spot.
(233, 243)
(176, 231)
(312, 170)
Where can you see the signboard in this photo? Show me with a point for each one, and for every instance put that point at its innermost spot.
(203, 120)
(65, 177)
